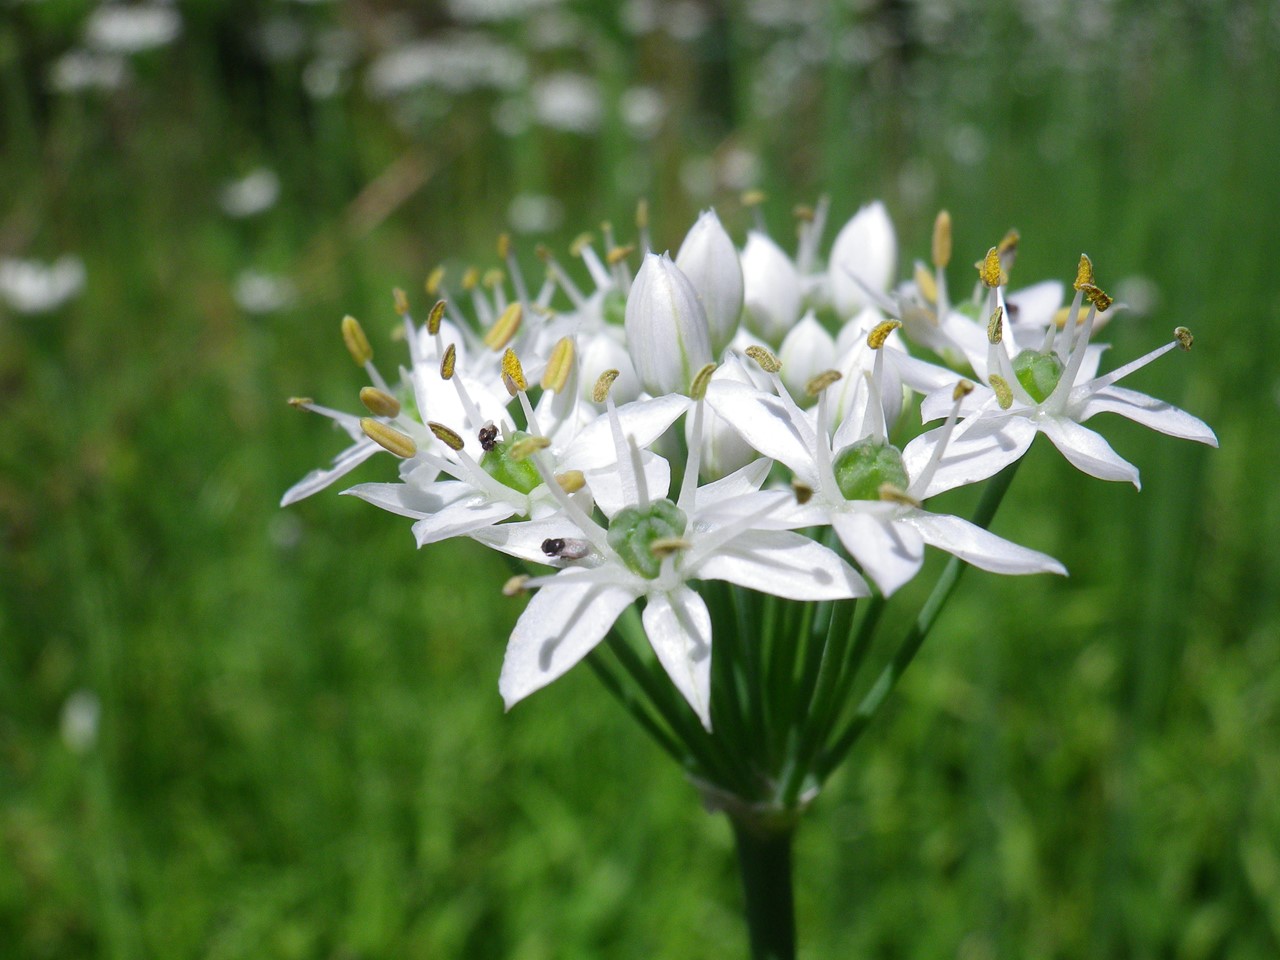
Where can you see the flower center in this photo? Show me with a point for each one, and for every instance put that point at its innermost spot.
(634, 530)
(1038, 373)
(863, 467)
(521, 475)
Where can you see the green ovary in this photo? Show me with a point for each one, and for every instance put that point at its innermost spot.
(519, 475)
(615, 307)
(861, 468)
(634, 530)
(1038, 373)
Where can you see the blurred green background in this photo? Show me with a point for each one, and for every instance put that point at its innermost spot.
(228, 730)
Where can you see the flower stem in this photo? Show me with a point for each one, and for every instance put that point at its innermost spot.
(764, 862)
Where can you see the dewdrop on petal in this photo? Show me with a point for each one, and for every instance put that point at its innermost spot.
(710, 261)
(772, 289)
(666, 326)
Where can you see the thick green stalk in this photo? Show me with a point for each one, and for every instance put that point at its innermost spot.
(764, 863)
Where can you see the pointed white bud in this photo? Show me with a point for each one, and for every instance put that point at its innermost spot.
(866, 248)
(807, 350)
(723, 449)
(604, 351)
(772, 289)
(710, 261)
(667, 331)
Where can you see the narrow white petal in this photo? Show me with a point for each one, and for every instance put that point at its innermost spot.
(679, 629)
(645, 420)
(461, 517)
(1034, 306)
(524, 538)
(739, 483)
(784, 564)
(766, 423)
(1149, 412)
(982, 451)
(1088, 451)
(606, 486)
(980, 547)
(410, 499)
(343, 463)
(890, 553)
(561, 625)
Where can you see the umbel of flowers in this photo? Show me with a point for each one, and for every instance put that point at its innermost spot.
(704, 476)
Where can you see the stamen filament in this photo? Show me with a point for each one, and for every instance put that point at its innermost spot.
(921, 483)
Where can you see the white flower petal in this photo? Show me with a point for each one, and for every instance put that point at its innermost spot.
(343, 463)
(644, 420)
(890, 553)
(524, 538)
(784, 564)
(1149, 412)
(1088, 451)
(606, 487)
(411, 499)
(679, 629)
(737, 484)
(980, 547)
(866, 248)
(766, 423)
(772, 290)
(984, 449)
(561, 625)
(461, 517)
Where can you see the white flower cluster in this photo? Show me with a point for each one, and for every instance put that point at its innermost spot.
(541, 423)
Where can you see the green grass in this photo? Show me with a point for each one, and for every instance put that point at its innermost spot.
(302, 752)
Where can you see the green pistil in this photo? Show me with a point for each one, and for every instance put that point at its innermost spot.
(1038, 373)
(634, 530)
(519, 475)
(863, 467)
(615, 307)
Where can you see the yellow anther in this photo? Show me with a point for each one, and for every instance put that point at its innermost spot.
(989, 269)
(893, 494)
(470, 278)
(493, 278)
(580, 243)
(515, 585)
(1084, 271)
(1097, 296)
(448, 362)
(618, 254)
(504, 246)
(379, 402)
(642, 214)
(753, 198)
(357, 343)
(925, 283)
(820, 382)
(1009, 244)
(446, 436)
(1004, 395)
(962, 390)
(505, 327)
(880, 333)
(600, 392)
(803, 492)
(571, 481)
(701, 380)
(802, 212)
(559, 365)
(1184, 337)
(300, 403)
(434, 279)
(526, 447)
(434, 317)
(511, 370)
(666, 546)
(389, 438)
(942, 239)
(765, 358)
(995, 326)
(400, 300)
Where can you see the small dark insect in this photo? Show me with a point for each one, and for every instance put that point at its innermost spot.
(565, 548)
(488, 437)
(553, 547)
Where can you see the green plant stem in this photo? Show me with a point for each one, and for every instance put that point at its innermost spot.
(764, 863)
(635, 706)
(830, 758)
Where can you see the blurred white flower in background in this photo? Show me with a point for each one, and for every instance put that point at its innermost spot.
(643, 110)
(116, 28)
(568, 101)
(79, 721)
(254, 193)
(534, 213)
(458, 62)
(32, 286)
(480, 10)
(78, 70)
(257, 292)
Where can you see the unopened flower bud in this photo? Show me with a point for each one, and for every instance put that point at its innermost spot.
(710, 261)
(772, 290)
(866, 248)
(723, 449)
(807, 351)
(667, 330)
(601, 352)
